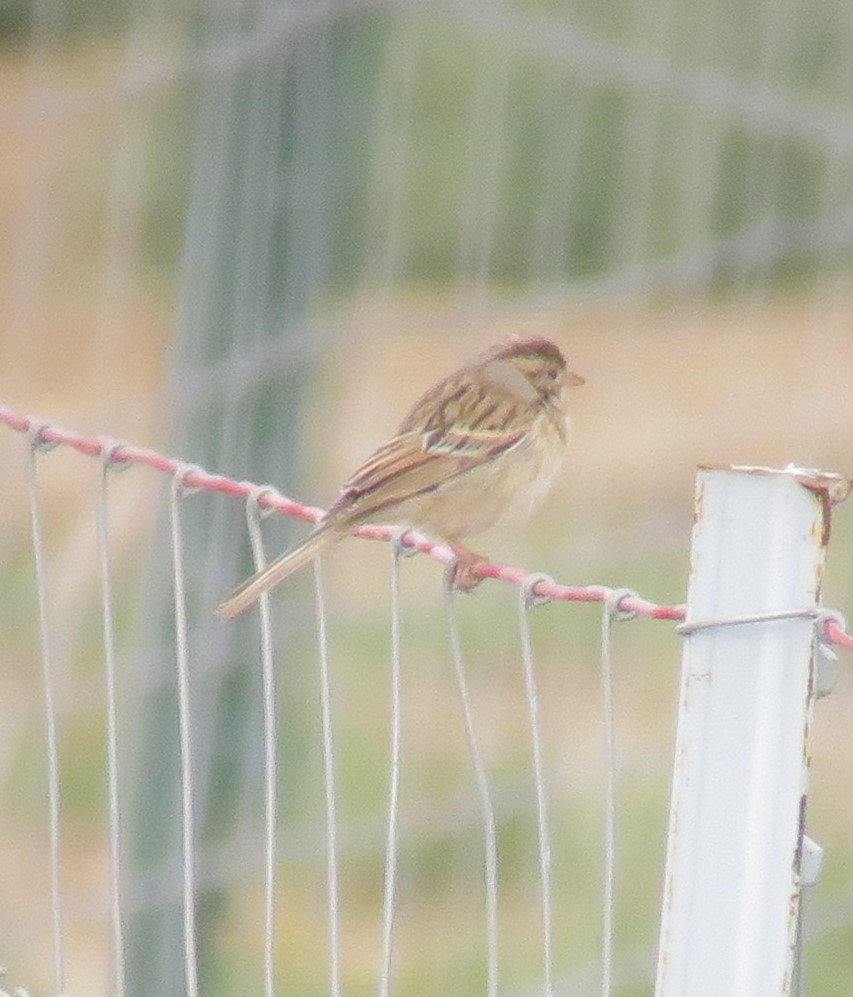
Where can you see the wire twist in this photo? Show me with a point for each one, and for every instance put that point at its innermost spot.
(531, 596)
(255, 505)
(109, 451)
(613, 604)
(403, 545)
(180, 486)
(35, 434)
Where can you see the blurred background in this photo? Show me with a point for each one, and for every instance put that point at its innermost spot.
(249, 234)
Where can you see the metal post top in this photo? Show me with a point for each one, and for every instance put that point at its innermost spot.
(734, 849)
(836, 486)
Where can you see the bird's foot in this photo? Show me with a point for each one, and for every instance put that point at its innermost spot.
(463, 577)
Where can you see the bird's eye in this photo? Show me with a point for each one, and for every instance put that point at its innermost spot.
(552, 373)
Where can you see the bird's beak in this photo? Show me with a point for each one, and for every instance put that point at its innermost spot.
(572, 380)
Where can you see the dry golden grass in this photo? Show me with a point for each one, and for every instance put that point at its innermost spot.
(669, 385)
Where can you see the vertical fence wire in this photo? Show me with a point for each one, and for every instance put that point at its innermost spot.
(609, 804)
(390, 888)
(328, 785)
(481, 778)
(385, 249)
(53, 791)
(113, 809)
(487, 159)
(526, 601)
(253, 516)
(178, 491)
(610, 613)
(550, 249)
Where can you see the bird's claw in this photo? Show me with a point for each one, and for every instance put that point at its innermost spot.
(462, 574)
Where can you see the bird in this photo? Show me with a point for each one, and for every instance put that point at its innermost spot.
(479, 448)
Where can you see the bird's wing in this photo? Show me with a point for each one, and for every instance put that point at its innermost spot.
(440, 439)
(464, 413)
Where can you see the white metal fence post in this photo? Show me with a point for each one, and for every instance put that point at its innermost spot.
(737, 814)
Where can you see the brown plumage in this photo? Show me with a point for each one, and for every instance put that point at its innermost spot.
(480, 447)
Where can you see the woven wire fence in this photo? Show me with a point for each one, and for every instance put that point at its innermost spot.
(211, 206)
(266, 846)
(534, 589)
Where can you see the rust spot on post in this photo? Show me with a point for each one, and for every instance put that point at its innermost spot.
(698, 502)
(801, 833)
(826, 509)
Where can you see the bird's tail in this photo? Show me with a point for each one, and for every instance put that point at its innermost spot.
(282, 567)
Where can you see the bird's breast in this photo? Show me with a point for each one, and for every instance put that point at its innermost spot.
(504, 490)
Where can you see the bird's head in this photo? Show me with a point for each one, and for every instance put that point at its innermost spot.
(541, 364)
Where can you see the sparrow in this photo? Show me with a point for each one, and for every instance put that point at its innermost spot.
(481, 447)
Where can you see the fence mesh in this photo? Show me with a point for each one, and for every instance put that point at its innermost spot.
(148, 889)
(239, 233)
